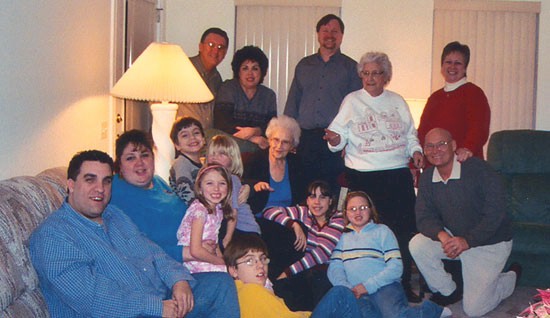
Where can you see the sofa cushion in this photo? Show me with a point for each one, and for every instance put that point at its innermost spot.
(24, 203)
(519, 151)
(529, 199)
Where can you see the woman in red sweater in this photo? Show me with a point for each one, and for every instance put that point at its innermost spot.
(459, 107)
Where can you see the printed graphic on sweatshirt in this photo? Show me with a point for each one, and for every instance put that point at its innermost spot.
(384, 131)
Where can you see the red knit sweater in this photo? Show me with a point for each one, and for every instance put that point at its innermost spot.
(464, 112)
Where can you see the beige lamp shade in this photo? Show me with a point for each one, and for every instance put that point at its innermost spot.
(163, 73)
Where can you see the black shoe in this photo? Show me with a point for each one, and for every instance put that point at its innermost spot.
(516, 268)
(444, 301)
(412, 297)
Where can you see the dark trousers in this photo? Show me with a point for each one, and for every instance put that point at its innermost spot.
(317, 161)
(393, 194)
(301, 291)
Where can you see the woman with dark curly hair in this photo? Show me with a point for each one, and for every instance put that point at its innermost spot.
(244, 106)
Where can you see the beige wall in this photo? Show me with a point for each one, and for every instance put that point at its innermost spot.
(54, 82)
(401, 28)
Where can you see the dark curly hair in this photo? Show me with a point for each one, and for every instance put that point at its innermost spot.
(249, 53)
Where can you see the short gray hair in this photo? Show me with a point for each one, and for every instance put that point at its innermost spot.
(284, 122)
(379, 58)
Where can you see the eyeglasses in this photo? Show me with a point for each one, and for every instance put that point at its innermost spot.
(284, 143)
(251, 261)
(442, 145)
(374, 74)
(218, 46)
(358, 208)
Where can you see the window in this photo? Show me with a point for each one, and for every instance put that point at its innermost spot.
(502, 36)
(285, 31)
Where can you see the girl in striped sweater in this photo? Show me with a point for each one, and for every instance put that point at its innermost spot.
(300, 241)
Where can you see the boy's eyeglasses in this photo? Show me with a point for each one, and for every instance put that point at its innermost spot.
(251, 261)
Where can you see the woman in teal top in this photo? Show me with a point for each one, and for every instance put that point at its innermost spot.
(144, 197)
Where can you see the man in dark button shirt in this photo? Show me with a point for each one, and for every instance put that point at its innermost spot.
(321, 81)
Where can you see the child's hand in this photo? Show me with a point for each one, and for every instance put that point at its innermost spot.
(210, 246)
(359, 290)
(301, 240)
(243, 194)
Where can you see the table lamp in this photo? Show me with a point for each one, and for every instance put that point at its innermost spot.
(163, 74)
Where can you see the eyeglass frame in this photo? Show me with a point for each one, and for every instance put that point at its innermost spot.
(218, 46)
(282, 142)
(374, 74)
(442, 145)
(359, 208)
(264, 260)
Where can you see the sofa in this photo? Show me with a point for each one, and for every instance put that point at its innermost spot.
(522, 158)
(24, 203)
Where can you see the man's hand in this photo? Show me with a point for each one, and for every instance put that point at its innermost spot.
(332, 137)
(183, 296)
(359, 290)
(260, 141)
(247, 132)
(454, 246)
(170, 309)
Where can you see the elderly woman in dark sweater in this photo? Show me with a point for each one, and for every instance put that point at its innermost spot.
(244, 106)
(273, 174)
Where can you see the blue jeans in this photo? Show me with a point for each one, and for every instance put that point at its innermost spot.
(338, 302)
(390, 301)
(215, 295)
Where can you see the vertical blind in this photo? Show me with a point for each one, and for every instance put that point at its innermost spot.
(502, 37)
(285, 31)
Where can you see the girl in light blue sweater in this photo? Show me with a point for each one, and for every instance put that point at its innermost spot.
(367, 260)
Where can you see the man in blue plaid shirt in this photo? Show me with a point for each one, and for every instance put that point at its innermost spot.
(92, 261)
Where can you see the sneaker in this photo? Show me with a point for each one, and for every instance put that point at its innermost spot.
(446, 312)
(444, 301)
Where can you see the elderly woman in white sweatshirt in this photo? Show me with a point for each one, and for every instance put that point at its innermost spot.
(376, 128)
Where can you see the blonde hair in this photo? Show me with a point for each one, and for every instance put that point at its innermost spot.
(227, 145)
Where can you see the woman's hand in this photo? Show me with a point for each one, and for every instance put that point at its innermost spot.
(244, 192)
(247, 132)
(263, 186)
(301, 239)
(332, 137)
(418, 160)
(463, 153)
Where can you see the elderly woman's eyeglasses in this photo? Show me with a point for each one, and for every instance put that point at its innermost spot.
(282, 142)
(358, 208)
(374, 74)
(252, 261)
(442, 145)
